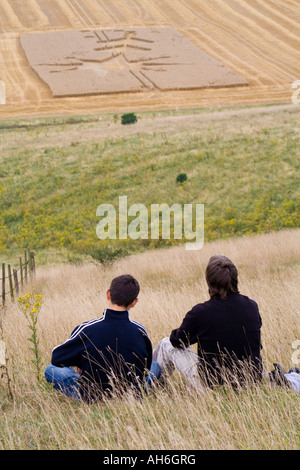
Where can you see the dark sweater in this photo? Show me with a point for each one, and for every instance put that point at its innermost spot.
(228, 337)
(112, 352)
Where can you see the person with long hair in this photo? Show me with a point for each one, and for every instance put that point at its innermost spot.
(226, 329)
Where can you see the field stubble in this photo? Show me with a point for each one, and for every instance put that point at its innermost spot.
(257, 40)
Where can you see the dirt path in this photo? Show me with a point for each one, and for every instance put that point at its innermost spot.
(232, 121)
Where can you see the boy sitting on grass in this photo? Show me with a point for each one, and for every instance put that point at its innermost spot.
(108, 354)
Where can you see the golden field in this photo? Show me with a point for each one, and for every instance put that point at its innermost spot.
(259, 40)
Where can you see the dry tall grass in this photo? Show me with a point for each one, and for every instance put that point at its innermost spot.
(176, 417)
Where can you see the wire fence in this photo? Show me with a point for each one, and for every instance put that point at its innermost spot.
(13, 278)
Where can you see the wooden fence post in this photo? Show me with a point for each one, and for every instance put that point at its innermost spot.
(10, 282)
(16, 281)
(28, 268)
(21, 270)
(32, 263)
(26, 261)
(3, 283)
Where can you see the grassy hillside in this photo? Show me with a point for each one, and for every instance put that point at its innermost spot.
(242, 166)
(175, 417)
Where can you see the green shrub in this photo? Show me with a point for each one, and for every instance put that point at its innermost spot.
(181, 178)
(128, 118)
(105, 255)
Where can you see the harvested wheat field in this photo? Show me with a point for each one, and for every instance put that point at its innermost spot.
(146, 54)
(75, 63)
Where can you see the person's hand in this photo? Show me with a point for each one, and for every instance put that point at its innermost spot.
(79, 371)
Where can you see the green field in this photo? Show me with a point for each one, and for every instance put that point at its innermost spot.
(55, 172)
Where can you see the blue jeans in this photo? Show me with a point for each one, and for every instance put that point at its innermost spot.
(65, 379)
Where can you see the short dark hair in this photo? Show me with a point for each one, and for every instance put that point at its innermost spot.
(124, 290)
(221, 276)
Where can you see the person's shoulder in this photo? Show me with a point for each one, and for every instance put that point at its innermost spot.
(138, 326)
(245, 298)
(247, 301)
(201, 307)
(85, 325)
(217, 303)
(205, 304)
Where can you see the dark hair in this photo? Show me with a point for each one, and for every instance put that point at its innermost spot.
(221, 276)
(124, 290)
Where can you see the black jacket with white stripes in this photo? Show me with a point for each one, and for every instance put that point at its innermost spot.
(113, 352)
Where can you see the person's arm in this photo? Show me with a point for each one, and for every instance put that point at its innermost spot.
(69, 353)
(149, 350)
(186, 334)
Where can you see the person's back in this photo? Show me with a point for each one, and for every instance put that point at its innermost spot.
(228, 335)
(226, 329)
(111, 353)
